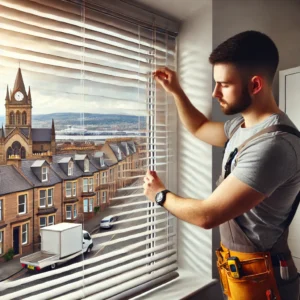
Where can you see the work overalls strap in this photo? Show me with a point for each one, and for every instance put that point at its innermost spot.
(235, 242)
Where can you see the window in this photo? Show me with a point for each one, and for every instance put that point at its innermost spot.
(44, 174)
(12, 118)
(50, 197)
(70, 168)
(90, 61)
(24, 118)
(85, 205)
(43, 198)
(69, 212)
(91, 205)
(68, 189)
(98, 198)
(75, 211)
(24, 234)
(50, 220)
(97, 179)
(91, 184)
(102, 161)
(43, 222)
(111, 174)
(1, 243)
(104, 197)
(74, 189)
(1, 210)
(104, 177)
(86, 165)
(119, 154)
(22, 204)
(85, 185)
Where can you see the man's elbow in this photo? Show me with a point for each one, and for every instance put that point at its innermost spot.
(205, 223)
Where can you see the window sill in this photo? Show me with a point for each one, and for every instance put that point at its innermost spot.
(187, 286)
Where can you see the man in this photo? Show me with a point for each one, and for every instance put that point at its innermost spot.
(252, 204)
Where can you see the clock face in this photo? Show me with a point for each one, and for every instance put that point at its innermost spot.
(19, 96)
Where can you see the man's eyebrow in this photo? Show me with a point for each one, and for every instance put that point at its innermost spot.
(222, 82)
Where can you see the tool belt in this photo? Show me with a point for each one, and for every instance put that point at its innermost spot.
(254, 277)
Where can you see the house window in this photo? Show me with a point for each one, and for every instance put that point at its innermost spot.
(102, 161)
(50, 197)
(86, 165)
(50, 220)
(1, 210)
(75, 211)
(69, 212)
(70, 168)
(43, 222)
(12, 118)
(43, 198)
(91, 205)
(24, 234)
(74, 189)
(1, 243)
(22, 204)
(85, 205)
(104, 177)
(85, 185)
(68, 189)
(91, 184)
(24, 118)
(104, 194)
(98, 198)
(44, 174)
(97, 178)
(119, 154)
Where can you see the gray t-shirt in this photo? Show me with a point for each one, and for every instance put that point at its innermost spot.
(270, 164)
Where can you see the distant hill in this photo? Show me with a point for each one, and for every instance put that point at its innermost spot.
(76, 119)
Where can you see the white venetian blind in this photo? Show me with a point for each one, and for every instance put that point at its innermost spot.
(84, 58)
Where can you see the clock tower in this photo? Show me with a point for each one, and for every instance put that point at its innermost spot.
(18, 105)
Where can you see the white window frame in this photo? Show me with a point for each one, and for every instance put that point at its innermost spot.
(104, 197)
(44, 174)
(98, 198)
(86, 165)
(25, 204)
(98, 179)
(1, 210)
(91, 205)
(43, 198)
(74, 188)
(1, 242)
(70, 168)
(45, 222)
(85, 185)
(75, 211)
(50, 197)
(85, 205)
(104, 177)
(68, 189)
(68, 212)
(24, 232)
(91, 184)
(51, 223)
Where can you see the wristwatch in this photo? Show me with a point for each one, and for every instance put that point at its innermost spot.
(160, 197)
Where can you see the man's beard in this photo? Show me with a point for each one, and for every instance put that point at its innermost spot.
(242, 103)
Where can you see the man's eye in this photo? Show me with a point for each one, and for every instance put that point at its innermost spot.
(224, 85)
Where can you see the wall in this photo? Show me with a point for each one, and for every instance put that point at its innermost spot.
(278, 19)
(194, 156)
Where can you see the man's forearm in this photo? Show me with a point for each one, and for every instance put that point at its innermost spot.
(190, 117)
(190, 210)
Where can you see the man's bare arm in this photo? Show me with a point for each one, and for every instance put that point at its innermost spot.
(231, 199)
(194, 121)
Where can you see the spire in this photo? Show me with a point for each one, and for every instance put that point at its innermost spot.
(19, 83)
(29, 95)
(53, 128)
(2, 133)
(7, 95)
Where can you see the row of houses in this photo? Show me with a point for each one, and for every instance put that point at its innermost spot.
(69, 187)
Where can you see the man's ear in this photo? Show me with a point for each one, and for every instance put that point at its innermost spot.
(256, 85)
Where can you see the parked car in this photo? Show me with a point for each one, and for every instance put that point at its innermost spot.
(106, 222)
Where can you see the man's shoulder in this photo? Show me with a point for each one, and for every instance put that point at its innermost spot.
(231, 125)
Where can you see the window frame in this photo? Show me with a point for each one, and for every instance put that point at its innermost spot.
(75, 211)
(45, 198)
(85, 185)
(86, 165)
(91, 205)
(104, 193)
(26, 233)
(68, 189)
(45, 173)
(67, 211)
(51, 223)
(25, 204)
(45, 222)
(70, 168)
(52, 190)
(86, 200)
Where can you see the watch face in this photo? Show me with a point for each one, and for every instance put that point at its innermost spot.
(19, 96)
(160, 196)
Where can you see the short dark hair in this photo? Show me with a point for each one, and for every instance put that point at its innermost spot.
(249, 50)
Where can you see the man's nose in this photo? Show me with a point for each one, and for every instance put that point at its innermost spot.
(216, 92)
